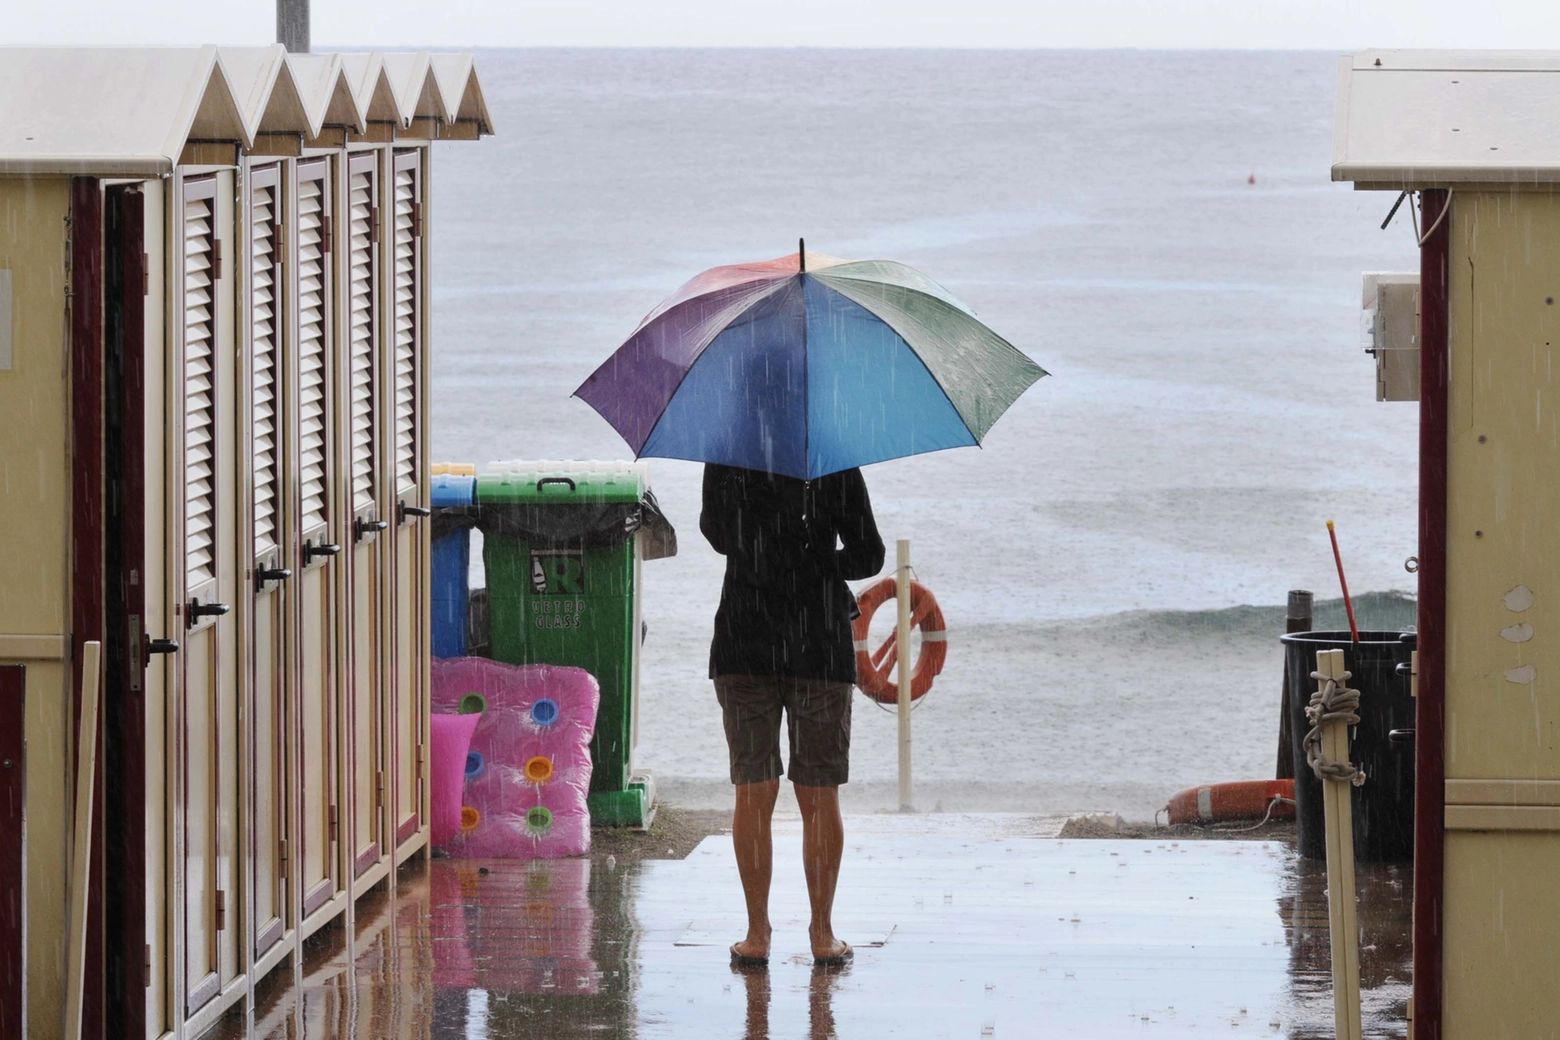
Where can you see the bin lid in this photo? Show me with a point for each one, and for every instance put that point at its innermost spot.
(561, 483)
(453, 490)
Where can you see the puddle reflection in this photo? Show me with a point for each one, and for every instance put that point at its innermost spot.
(1384, 911)
(573, 949)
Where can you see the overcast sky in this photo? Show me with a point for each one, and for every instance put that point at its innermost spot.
(1326, 24)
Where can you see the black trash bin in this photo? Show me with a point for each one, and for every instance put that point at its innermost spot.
(1383, 807)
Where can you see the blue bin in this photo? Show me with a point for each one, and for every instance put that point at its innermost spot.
(451, 559)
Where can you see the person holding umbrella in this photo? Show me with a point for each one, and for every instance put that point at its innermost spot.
(783, 642)
(785, 377)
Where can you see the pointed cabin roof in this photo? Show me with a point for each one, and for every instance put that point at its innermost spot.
(327, 93)
(107, 111)
(112, 111)
(457, 76)
(371, 86)
(267, 90)
(416, 89)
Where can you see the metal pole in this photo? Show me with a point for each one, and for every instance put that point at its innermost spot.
(902, 645)
(292, 25)
(1430, 705)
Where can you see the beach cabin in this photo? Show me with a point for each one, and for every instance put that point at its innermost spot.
(1472, 134)
(214, 341)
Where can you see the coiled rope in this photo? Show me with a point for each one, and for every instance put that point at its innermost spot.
(1334, 702)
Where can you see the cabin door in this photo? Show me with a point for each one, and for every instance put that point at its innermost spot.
(205, 487)
(361, 459)
(409, 621)
(316, 544)
(134, 642)
(268, 793)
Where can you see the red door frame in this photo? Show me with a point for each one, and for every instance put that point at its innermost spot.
(86, 592)
(1430, 705)
(13, 852)
(125, 695)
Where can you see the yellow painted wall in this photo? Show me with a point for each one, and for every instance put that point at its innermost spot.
(34, 562)
(1502, 918)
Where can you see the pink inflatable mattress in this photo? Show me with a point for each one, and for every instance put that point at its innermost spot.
(528, 770)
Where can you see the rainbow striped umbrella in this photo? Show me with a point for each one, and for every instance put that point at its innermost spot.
(806, 365)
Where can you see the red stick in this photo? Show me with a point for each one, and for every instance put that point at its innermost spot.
(1348, 604)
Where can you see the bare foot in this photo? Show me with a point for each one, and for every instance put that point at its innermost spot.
(754, 950)
(829, 951)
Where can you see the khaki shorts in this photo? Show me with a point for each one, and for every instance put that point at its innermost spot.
(817, 714)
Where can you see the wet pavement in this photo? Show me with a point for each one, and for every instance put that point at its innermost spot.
(963, 928)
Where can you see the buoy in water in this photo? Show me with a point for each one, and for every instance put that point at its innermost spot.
(1251, 178)
(1241, 800)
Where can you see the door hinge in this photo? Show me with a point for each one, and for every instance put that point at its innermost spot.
(221, 910)
(146, 275)
(379, 789)
(333, 836)
(419, 763)
(216, 259)
(417, 220)
(325, 238)
(373, 225)
(146, 973)
(278, 242)
(281, 852)
(1413, 674)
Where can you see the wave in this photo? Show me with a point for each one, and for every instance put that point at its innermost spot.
(1373, 611)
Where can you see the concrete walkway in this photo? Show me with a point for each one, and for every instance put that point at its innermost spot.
(964, 926)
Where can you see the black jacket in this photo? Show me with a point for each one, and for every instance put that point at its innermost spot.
(790, 546)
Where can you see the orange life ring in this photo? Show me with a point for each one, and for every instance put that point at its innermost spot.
(1242, 800)
(873, 670)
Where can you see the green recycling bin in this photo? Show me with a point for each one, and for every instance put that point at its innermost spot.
(561, 549)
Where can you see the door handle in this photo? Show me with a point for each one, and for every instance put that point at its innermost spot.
(161, 646)
(1400, 736)
(199, 610)
(361, 527)
(403, 511)
(265, 574)
(310, 550)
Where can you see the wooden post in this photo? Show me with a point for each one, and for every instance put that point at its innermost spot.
(1296, 619)
(81, 848)
(902, 643)
(1338, 814)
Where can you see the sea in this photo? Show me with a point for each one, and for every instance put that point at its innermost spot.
(1157, 229)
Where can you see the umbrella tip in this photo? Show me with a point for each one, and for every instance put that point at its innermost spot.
(801, 255)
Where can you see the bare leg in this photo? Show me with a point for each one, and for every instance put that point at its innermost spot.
(750, 836)
(823, 843)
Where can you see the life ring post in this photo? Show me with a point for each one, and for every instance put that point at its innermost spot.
(902, 594)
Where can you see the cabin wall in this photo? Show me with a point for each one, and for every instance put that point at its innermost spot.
(203, 833)
(34, 556)
(1501, 920)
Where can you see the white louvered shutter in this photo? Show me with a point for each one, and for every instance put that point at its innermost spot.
(264, 355)
(362, 339)
(312, 324)
(199, 394)
(405, 330)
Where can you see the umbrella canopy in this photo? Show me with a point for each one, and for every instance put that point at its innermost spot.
(806, 365)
